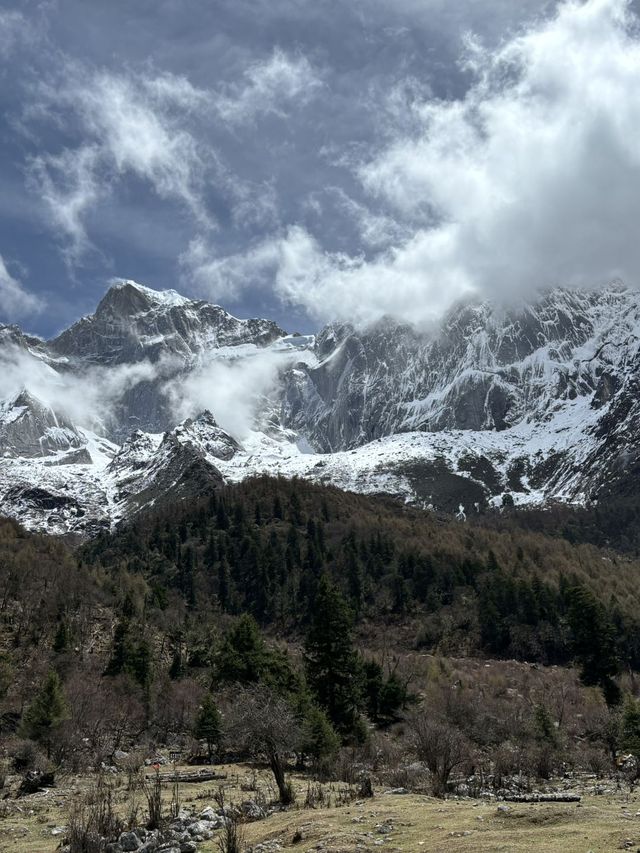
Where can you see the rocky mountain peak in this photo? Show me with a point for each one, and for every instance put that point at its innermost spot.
(31, 428)
(540, 400)
(133, 323)
(126, 299)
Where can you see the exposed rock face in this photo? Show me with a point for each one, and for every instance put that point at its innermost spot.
(541, 402)
(29, 428)
(177, 470)
(133, 323)
(483, 370)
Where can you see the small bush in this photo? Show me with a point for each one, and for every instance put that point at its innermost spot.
(153, 793)
(93, 821)
(26, 756)
(365, 791)
(315, 796)
(231, 838)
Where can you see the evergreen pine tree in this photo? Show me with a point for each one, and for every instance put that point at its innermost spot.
(45, 713)
(120, 650)
(241, 658)
(630, 727)
(593, 643)
(208, 725)
(222, 520)
(223, 584)
(277, 508)
(319, 739)
(62, 637)
(331, 663)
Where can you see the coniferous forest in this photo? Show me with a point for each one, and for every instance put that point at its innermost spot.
(323, 598)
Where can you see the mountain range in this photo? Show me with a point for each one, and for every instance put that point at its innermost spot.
(156, 397)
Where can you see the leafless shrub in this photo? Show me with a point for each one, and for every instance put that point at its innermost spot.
(250, 782)
(414, 777)
(347, 766)
(596, 761)
(231, 838)
(220, 798)
(442, 747)
(93, 820)
(133, 765)
(315, 797)
(153, 793)
(27, 756)
(346, 794)
(365, 789)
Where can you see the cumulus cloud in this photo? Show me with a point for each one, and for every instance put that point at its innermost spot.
(15, 301)
(528, 181)
(268, 87)
(130, 124)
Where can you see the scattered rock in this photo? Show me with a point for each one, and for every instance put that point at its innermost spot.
(129, 841)
(208, 814)
(252, 811)
(34, 781)
(202, 829)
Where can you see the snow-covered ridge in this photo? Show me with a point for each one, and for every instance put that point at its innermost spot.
(165, 298)
(541, 403)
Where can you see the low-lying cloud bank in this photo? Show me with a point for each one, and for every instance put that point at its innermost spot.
(232, 388)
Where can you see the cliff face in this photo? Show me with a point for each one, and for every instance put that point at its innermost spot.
(541, 402)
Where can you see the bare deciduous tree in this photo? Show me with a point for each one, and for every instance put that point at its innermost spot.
(441, 746)
(262, 723)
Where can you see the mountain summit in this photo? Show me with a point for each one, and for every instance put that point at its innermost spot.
(133, 323)
(529, 405)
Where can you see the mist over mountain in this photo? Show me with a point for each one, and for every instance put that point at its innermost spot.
(157, 396)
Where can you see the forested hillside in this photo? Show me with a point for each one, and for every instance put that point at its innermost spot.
(262, 546)
(320, 597)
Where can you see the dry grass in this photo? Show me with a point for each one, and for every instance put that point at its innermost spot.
(423, 824)
(417, 823)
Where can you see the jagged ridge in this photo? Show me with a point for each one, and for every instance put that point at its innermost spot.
(540, 402)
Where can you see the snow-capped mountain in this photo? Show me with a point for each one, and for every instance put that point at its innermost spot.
(539, 402)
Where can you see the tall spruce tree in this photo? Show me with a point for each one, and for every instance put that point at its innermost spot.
(45, 713)
(332, 666)
(208, 725)
(593, 643)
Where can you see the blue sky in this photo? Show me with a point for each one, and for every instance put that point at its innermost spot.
(309, 160)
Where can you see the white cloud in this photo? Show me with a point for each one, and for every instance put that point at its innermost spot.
(232, 390)
(14, 31)
(15, 301)
(269, 86)
(70, 185)
(87, 398)
(224, 278)
(133, 124)
(530, 180)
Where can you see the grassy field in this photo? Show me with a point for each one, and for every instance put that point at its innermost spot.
(390, 822)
